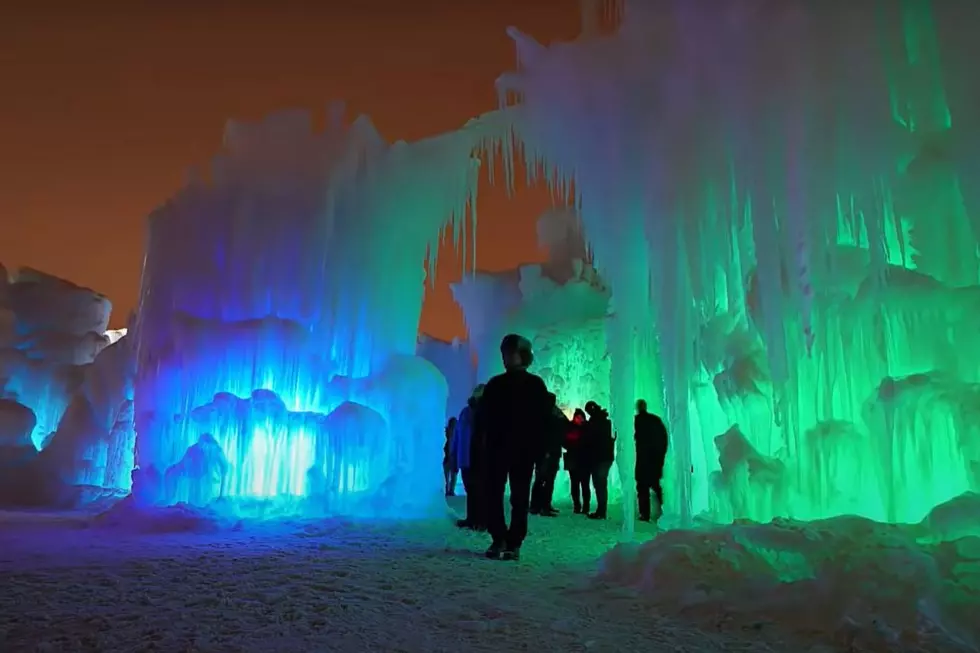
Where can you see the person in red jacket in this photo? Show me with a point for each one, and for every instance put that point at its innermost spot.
(575, 463)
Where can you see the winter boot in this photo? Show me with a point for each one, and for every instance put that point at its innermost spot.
(495, 551)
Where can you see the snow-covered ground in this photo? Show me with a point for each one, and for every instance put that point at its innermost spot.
(78, 583)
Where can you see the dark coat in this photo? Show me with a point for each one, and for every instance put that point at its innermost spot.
(650, 434)
(515, 415)
(600, 442)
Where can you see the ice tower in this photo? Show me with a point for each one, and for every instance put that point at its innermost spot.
(772, 192)
(279, 316)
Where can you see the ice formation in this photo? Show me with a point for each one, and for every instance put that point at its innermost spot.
(66, 421)
(455, 361)
(49, 330)
(770, 243)
(792, 256)
(279, 319)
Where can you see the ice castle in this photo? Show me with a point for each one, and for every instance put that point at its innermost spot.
(772, 194)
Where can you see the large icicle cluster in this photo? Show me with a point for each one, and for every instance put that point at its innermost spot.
(279, 316)
(780, 218)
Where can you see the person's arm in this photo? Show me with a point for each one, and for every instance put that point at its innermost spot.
(454, 441)
(481, 415)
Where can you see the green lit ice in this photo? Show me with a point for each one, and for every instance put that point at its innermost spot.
(775, 195)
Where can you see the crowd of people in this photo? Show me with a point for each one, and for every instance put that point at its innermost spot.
(512, 431)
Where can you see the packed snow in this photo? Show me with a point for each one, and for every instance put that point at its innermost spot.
(184, 580)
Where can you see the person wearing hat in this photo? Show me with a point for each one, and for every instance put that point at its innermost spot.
(514, 416)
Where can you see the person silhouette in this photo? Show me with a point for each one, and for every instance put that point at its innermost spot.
(650, 434)
(514, 414)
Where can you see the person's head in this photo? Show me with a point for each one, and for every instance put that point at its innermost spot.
(641, 406)
(578, 416)
(592, 409)
(452, 423)
(516, 353)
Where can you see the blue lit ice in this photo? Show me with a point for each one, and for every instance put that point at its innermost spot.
(279, 318)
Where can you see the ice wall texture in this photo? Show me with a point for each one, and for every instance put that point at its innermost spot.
(279, 316)
(775, 199)
(66, 419)
(50, 329)
(455, 361)
(560, 305)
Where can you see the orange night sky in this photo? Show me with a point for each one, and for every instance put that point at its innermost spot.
(106, 104)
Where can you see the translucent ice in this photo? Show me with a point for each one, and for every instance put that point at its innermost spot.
(780, 218)
(279, 320)
(50, 329)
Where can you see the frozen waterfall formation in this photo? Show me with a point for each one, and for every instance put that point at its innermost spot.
(278, 324)
(773, 193)
(66, 426)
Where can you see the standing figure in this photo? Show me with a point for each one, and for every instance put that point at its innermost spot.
(449, 469)
(601, 448)
(515, 413)
(470, 457)
(576, 464)
(651, 451)
(546, 469)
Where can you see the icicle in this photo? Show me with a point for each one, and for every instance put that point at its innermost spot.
(797, 227)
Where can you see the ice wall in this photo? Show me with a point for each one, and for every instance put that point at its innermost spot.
(455, 361)
(774, 198)
(94, 444)
(292, 280)
(66, 419)
(49, 330)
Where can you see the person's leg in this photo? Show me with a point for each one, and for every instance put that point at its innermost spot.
(453, 477)
(643, 498)
(586, 492)
(473, 494)
(600, 480)
(537, 487)
(480, 498)
(520, 494)
(548, 493)
(576, 489)
(658, 489)
(495, 484)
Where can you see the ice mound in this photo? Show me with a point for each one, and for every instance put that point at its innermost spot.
(129, 516)
(864, 583)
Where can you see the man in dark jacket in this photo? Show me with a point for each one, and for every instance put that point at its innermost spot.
(651, 451)
(546, 469)
(515, 414)
(600, 445)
